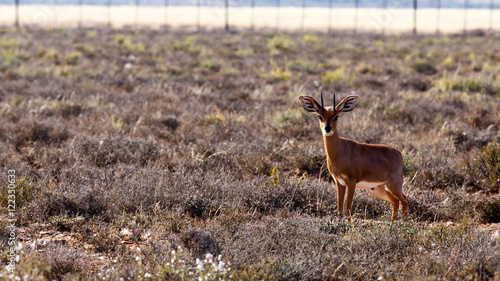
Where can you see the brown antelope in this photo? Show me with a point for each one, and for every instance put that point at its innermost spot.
(376, 168)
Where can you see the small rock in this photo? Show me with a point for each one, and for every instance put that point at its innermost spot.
(126, 234)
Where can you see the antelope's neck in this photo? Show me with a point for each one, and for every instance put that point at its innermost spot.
(332, 145)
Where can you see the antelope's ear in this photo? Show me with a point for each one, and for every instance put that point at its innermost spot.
(309, 103)
(348, 103)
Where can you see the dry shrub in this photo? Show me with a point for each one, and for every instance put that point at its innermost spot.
(112, 150)
(61, 261)
(29, 130)
(200, 243)
(488, 209)
(103, 238)
(484, 168)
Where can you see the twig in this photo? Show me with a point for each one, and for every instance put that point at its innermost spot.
(276, 130)
(321, 171)
(337, 269)
(142, 250)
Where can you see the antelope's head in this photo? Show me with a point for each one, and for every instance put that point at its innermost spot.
(329, 115)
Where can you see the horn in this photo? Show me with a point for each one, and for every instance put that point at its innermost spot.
(322, 100)
(334, 103)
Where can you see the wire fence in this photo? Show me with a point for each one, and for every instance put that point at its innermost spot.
(232, 12)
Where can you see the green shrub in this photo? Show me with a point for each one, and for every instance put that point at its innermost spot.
(52, 55)
(125, 42)
(245, 53)
(73, 58)
(449, 62)
(491, 156)
(280, 43)
(277, 72)
(334, 76)
(484, 169)
(25, 192)
(310, 38)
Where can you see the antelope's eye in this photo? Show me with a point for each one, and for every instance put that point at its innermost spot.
(335, 118)
(320, 118)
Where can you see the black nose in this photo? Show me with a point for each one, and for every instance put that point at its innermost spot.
(328, 128)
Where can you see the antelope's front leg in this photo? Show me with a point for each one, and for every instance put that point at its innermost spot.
(351, 187)
(340, 197)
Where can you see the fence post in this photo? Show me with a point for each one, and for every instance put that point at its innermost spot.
(252, 20)
(227, 15)
(303, 15)
(356, 6)
(438, 16)
(109, 13)
(80, 22)
(492, 7)
(466, 4)
(16, 21)
(277, 14)
(415, 17)
(384, 7)
(198, 14)
(329, 16)
(165, 16)
(54, 7)
(137, 13)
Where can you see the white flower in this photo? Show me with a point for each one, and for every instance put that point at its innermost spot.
(137, 258)
(147, 275)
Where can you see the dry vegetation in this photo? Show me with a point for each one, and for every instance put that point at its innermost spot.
(187, 144)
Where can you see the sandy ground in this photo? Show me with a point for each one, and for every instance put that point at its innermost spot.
(287, 18)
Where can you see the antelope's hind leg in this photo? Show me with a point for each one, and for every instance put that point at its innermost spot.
(381, 193)
(396, 190)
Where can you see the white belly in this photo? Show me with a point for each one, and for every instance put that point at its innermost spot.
(362, 184)
(369, 185)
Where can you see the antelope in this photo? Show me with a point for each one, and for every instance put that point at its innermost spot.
(373, 167)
